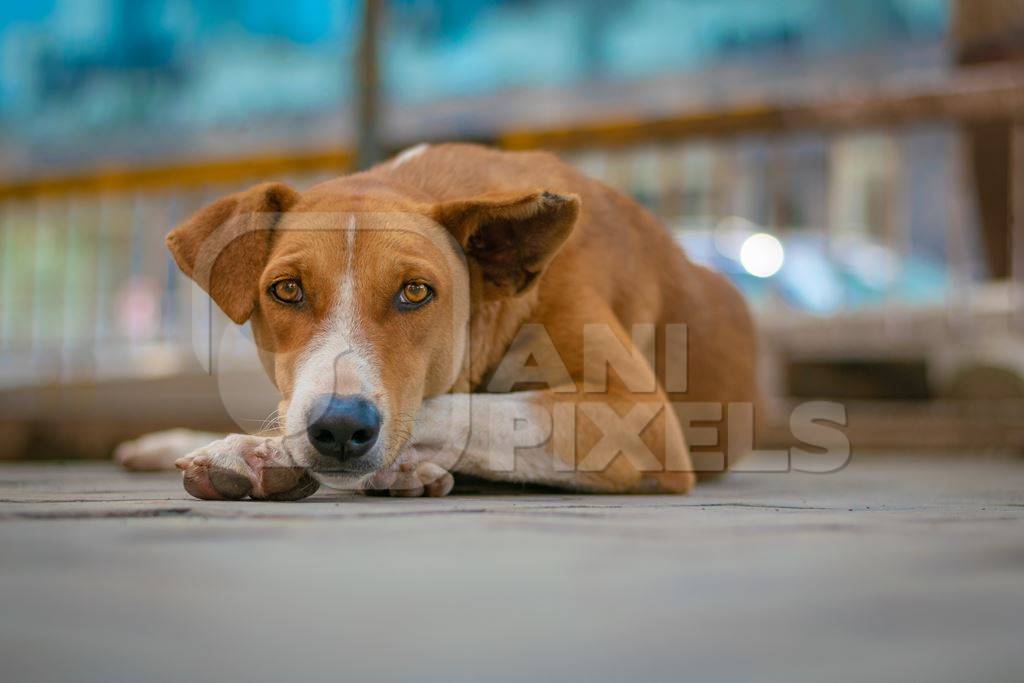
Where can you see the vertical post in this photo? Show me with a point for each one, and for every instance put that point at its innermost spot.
(6, 265)
(72, 293)
(958, 252)
(367, 82)
(104, 279)
(43, 250)
(1016, 245)
(988, 32)
(898, 239)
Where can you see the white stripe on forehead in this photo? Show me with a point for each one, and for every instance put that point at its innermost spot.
(346, 298)
(410, 153)
(338, 360)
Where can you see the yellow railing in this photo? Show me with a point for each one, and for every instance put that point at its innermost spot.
(977, 94)
(180, 175)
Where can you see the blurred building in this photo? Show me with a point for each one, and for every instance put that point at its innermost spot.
(849, 163)
(87, 80)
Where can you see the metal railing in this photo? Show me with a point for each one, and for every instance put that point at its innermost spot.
(89, 290)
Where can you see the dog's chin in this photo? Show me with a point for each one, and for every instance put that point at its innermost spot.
(345, 476)
(339, 481)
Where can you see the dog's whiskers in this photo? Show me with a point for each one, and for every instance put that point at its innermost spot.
(272, 422)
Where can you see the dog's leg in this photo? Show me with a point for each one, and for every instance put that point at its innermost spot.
(159, 450)
(241, 465)
(599, 444)
(593, 430)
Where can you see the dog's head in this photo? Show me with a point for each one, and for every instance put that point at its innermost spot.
(360, 298)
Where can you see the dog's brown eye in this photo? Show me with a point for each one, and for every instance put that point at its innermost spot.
(415, 293)
(287, 291)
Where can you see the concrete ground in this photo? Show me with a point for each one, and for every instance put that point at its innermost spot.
(898, 568)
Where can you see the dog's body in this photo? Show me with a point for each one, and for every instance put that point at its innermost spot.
(562, 278)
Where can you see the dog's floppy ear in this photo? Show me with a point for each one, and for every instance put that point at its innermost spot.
(225, 245)
(512, 237)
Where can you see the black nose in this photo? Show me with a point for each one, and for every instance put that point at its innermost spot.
(343, 427)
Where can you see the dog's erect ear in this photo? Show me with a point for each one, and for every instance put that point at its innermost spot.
(224, 246)
(512, 237)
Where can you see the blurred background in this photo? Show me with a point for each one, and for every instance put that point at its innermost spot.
(855, 166)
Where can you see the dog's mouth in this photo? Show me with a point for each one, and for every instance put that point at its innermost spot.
(344, 477)
(352, 468)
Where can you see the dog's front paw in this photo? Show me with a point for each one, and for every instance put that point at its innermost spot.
(411, 480)
(239, 466)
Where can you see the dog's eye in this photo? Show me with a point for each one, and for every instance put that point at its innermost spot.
(287, 291)
(415, 294)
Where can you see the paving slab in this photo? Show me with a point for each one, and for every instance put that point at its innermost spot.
(900, 567)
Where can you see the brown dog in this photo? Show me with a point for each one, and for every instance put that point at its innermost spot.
(458, 309)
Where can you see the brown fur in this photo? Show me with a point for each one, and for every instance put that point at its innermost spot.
(544, 244)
